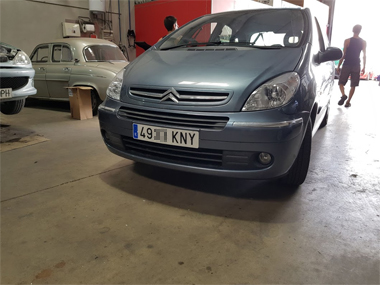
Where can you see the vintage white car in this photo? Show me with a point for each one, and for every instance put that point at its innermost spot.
(72, 62)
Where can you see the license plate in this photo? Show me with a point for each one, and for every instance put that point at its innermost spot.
(6, 93)
(166, 136)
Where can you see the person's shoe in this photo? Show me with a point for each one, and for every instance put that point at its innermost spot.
(347, 105)
(342, 99)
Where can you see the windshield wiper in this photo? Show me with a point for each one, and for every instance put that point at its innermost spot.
(193, 45)
(267, 47)
(249, 45)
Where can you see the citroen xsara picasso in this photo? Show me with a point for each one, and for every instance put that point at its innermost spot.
(236, 94)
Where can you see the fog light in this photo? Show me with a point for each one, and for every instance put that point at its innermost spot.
(265, 158)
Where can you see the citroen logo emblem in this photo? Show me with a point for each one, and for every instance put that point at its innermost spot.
(170, 94)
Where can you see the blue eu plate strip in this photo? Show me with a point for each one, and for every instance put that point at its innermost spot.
(135, 132)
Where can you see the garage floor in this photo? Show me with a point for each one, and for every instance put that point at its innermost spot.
(72, 212)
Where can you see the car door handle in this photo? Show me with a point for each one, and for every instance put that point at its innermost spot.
(66, 69)
(42, 68)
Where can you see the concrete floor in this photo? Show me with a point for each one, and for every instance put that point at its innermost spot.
(72, 212)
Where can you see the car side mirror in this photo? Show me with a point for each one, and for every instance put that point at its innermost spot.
(330, 54)
(76, 60)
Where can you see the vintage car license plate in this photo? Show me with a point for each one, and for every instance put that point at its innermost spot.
(166, 136)
(5, 93)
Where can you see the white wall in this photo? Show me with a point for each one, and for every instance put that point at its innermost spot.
(25, 24)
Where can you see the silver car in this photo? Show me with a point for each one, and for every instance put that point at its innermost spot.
(16, 79)
(236, 94)
(72, 62)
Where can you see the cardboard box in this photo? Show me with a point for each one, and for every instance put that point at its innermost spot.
(80, 102)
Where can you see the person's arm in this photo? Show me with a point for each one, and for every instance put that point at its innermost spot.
(346, 43)
(364, 55)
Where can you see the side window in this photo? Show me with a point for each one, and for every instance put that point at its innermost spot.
(41, 54)
(66, 54)
(61, 53)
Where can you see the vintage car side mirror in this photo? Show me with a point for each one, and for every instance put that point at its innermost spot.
(330, 54)
(76, 60)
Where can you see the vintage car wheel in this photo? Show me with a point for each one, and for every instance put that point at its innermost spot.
(12, 107)
(95, 101)
(298, 172)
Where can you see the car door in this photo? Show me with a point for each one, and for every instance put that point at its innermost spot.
(59, 71)
(40, 61)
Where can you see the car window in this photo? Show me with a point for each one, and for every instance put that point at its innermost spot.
(41, 54)
(259, 28)
(103, 53)
(62, 53)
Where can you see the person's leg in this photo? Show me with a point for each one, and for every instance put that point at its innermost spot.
(341, 87)
(355, 78)
(352, 91)
(344, 74)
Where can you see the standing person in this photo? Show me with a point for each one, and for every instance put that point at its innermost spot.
(351, 66)
(171, 25)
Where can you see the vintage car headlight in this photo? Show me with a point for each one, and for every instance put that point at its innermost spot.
(114, 89)
(21, 58)
(274, 93)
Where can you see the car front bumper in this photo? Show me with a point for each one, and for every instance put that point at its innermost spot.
(20, 80)
(232, 151)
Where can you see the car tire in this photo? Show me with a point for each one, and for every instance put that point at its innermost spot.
(12, 107)
(325, 118)
(95, 102)
(298, 172)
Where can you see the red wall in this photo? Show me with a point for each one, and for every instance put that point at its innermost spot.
(149, 17)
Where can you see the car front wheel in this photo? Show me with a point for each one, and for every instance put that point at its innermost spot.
(95, 102)
(298, 172)
(12, 107)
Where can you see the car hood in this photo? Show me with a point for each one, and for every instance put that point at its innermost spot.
(114, 66)
(238, 71)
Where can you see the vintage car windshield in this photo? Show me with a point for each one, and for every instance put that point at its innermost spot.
(103, 53)
(275, 28)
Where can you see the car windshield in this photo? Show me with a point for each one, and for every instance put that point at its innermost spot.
(8, 49)
(103, 53)
(269, 28)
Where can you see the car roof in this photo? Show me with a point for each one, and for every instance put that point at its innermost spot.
(81, 41)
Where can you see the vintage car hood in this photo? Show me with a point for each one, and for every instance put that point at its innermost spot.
(114, 66)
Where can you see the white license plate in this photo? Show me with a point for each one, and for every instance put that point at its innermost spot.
(166, 136)
(5, 93)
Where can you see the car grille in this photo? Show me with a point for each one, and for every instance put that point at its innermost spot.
(172, 96)
(174, 119)
(174, 154)
(13, 82)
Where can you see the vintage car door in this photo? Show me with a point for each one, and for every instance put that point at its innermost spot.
(40, 60)
(59, 71)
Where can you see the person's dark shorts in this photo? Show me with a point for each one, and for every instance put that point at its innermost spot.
(346, 71)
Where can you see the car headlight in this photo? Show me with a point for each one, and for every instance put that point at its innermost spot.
(114, 89)
(274, 93)
(21, 58)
